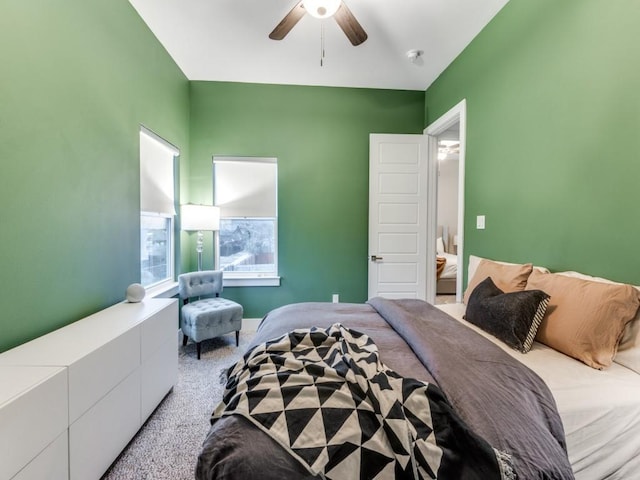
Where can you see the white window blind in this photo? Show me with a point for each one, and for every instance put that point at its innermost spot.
(246, 186)
(157, 158)
(156, 174)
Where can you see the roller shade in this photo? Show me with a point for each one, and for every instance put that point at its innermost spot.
(246, 186)
(156, 174)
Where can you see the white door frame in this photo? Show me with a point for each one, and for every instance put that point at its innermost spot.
(457, 114)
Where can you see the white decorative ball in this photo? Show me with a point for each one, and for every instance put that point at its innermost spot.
(135, 293)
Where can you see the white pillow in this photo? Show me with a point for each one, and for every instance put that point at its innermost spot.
(439, 246)
(629, 347)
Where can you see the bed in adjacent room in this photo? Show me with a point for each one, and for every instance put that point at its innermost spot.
(556, 411)
(447, 263)
(447, 278)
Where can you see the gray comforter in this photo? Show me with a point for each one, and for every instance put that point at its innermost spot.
(499, 399)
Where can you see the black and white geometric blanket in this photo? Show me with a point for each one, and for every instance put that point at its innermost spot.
(324, 396)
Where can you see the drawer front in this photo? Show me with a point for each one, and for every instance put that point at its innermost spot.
(51, 464)
(157, 328)
(97, 438)
(31, 421)
(91, 377)
(159, 375)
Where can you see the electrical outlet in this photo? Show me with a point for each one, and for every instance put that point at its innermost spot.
(335, 298)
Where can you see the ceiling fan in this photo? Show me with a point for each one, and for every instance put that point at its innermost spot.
(322, 9)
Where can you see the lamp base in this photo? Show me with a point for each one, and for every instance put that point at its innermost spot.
(199, 244)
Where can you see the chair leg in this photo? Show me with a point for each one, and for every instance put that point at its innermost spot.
(237, 338)
(184, 340)
(198, 344)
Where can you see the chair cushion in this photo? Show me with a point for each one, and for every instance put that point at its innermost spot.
(198, 284)
(210, 317)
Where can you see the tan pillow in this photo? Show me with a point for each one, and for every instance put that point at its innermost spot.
(508, 277)
(629, 346)
(474, 261)
(585, 319)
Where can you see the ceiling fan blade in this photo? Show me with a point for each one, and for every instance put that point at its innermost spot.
(349, 25)
(288, 22)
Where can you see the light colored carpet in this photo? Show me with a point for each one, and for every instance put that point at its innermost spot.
(440, 299)
(167, 446)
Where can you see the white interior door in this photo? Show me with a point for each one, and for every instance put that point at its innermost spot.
(398, 198)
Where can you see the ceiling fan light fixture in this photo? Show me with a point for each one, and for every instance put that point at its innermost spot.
(321, 8)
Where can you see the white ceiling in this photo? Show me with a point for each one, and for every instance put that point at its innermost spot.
(227, 40)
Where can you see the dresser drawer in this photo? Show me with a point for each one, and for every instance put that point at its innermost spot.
(95, 374)
(159, 374)
(33, 413)
(96, 438)
(51, 464)
(158, 328)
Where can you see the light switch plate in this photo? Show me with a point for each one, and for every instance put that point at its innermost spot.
(480, 222)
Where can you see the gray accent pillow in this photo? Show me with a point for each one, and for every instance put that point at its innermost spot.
(512, 317)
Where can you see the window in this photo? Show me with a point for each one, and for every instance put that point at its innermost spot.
(247, 245)
(245, 189)
(156, 249)
(157, 209)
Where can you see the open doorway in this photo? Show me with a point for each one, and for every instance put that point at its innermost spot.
(447, 137)
(448, 166)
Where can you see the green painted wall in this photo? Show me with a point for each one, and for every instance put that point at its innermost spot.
(553, 134)
(77, 79)
(321, 138)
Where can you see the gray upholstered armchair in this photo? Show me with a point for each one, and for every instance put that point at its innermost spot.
(207, 317)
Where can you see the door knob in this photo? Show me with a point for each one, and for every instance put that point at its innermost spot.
(375, 258)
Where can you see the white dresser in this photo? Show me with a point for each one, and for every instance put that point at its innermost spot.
(33, 423)
(117, 364)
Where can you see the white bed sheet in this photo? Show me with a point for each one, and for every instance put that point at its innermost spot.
(450, 266)
(600, 409)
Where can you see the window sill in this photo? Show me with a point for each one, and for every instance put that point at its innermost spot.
(251, 282)
(164, 290)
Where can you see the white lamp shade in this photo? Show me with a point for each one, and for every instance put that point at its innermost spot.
(200, 217)
(321, 8)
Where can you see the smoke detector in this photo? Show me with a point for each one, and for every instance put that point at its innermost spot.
(414, 54)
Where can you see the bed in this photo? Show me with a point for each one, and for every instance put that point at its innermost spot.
(600, 410)
(447, 279)
(445, 252)
(578, 421)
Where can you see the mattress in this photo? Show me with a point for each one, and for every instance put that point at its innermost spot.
(450, 266)
(600, 409)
